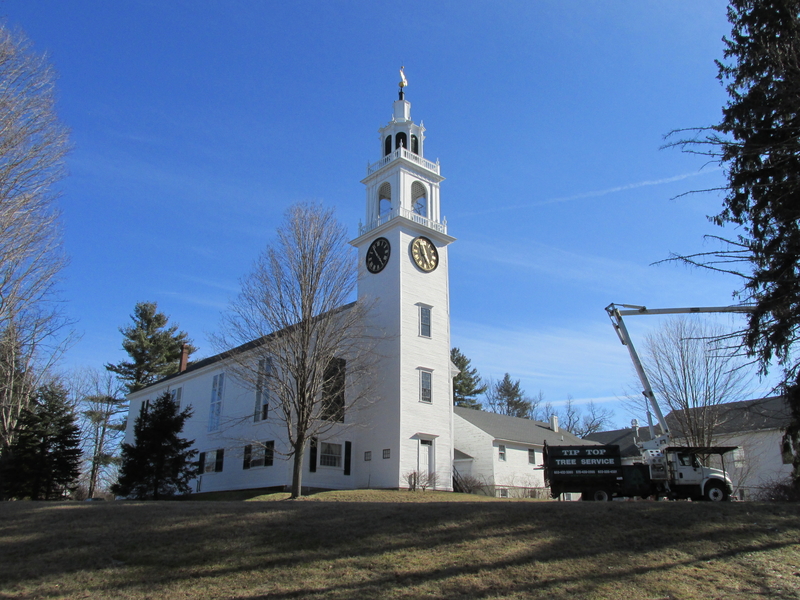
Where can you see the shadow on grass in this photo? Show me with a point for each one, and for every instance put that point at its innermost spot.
(282, 550)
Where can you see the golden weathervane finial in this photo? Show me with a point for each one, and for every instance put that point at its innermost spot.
(403, 80)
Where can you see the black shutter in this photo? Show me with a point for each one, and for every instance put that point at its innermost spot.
(347, 449)
(218, 464)
(248, 451)
(201, 463)
(312, 458)
(269, 451)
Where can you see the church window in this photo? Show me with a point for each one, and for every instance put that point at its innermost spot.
(415, 144)
(175, 394)
(333, 391)
(211, 461)
(501, 452)
(387, 145)
(261, 409)
(259, 455)
(425, 386)
(400, 140)
(384, 198)
(216, 402)
(419, 199)
(330, 455)
(425, 321)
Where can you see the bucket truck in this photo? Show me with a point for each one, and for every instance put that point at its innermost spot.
(663, 469)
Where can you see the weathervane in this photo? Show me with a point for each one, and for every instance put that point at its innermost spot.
(403, 82)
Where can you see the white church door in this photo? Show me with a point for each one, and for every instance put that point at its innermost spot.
(425, 460)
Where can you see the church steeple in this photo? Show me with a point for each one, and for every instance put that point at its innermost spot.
(403, 183)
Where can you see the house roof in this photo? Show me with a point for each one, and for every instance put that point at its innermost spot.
(741, 417)
(623, 438)
(514, 429)
(204, 362)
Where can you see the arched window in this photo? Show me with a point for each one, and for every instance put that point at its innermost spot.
(387, 145)
(384, 198)
(419, 199)
(400, 140)
(414, 144)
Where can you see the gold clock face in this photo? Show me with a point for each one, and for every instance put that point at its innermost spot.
(424, 254)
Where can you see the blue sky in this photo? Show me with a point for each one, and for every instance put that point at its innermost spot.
(196, 124)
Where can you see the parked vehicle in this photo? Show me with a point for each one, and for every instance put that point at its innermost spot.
(663, 469)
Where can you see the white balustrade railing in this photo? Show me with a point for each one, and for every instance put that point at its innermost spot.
(403, 153)
(408, 214)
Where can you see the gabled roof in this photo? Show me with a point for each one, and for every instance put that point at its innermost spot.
(623, 438)
(742, 417)
(204, 362)
(514, 429)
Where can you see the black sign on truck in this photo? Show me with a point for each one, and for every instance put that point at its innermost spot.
(568, 462)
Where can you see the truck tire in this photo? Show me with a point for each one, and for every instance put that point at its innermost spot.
(601, 496)
(715, 492)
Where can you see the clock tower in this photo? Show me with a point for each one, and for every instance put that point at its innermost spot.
(403, 273)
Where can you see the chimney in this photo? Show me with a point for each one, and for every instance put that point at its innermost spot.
(184, 358)
(554, 423)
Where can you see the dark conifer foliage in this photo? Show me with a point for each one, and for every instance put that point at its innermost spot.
(154, 347)
(159, 464)
(43, 462)
(758, 144)
(506, 397)
(467, 385)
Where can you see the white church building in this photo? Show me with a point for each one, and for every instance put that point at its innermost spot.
(411, 426)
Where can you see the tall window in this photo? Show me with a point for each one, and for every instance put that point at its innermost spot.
(531, 456)
(175, 394)
(387, 145)
(330, 455)
(259, 455)
(425, 321)
(414, 144)
(400, 140)
(211, 461)
(333, 391)
(262, 397)
(216, 402)
(501, 452)
(425, 386)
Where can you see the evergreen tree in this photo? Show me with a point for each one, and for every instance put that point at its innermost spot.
(154, 348)
(159, 462)
(467, 385)
(505, 397)
(758, 145)
(43, 462)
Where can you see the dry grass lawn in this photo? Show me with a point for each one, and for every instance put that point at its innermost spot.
(399, 545)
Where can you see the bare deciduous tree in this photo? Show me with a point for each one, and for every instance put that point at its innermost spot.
(292, 337)
(33, 144)
(577, 421)
(692, 371)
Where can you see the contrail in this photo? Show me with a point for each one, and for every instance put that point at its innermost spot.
(596, 193)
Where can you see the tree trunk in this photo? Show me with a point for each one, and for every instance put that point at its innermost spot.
(297, 470)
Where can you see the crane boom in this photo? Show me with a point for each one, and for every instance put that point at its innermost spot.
(617, 311)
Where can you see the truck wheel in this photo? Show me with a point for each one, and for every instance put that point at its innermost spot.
(601, 496)
(715, 492)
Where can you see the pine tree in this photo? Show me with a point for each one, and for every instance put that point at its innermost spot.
(43, 462)
(154, 348)
(506, 397)
(159, 462)
(758, 145)
(467, 385)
